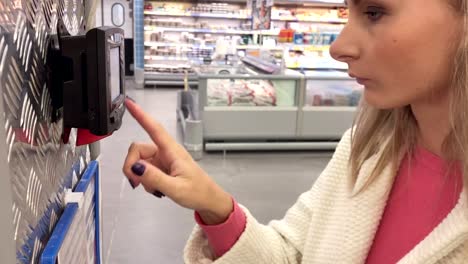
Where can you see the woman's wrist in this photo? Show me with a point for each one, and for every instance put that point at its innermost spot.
(220, 210)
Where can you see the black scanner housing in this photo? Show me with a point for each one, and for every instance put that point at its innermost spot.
(86, 75)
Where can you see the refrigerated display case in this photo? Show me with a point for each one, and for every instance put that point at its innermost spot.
(329, 105)
(286, 111)
(246, 107)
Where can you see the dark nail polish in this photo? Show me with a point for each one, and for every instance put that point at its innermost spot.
(158, 194)
(129, 98)
(131, 183)
(138, 169)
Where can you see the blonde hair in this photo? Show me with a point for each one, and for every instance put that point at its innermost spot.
(373, 127)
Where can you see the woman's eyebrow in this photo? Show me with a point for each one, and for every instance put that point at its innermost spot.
(355, 2)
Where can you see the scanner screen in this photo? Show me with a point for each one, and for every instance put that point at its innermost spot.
(114, 72)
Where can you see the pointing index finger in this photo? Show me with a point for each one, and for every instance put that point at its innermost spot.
(154, 129)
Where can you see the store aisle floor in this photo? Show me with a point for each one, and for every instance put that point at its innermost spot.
(140, 228)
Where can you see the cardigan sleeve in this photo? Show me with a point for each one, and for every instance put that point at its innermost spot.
(223, 236)
(281, 241)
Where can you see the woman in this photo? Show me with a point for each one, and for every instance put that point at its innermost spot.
(393, 191)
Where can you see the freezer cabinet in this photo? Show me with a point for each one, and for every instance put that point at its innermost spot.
(329, 105)
(249, 107)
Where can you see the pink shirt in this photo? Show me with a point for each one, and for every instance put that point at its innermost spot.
(422, 196)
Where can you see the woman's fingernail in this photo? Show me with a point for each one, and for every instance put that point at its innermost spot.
(158, 194)
(129, 98)
(138, 169)
(131, 183)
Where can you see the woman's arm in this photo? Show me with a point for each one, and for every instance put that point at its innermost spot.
(280, 241)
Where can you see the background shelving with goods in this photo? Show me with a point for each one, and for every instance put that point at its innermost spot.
(181, 34)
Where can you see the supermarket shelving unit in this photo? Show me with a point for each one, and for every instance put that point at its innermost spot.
(169, 68)
(183, 55)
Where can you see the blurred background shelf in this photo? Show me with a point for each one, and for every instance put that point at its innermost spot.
(168, 44)
(197, 32)
(192, 14)
(312, 20)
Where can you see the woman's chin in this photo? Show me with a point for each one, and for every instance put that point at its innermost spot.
(379, 101)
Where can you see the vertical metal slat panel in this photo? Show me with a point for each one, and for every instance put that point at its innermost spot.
(39, 165)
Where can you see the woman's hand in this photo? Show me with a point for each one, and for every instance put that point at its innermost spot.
(165, 167)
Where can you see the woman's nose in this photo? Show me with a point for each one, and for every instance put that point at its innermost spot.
(345, 48)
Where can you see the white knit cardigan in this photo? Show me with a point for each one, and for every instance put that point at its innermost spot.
(330, 225)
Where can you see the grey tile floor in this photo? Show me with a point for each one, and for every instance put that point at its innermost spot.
(139, 228)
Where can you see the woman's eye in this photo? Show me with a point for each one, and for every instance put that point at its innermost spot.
(374, 14)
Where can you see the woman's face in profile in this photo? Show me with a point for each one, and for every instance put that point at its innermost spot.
(402, 51)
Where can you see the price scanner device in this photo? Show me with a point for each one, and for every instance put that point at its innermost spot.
(87, 80)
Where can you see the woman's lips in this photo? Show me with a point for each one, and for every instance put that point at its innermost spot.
(359, 79)
(362, 81)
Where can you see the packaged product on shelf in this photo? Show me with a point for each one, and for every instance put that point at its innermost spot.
(241, 93)
(286, 35)
(263, 92)
(167, 68)
(217, 96)
(306, 14)
(148, 6)
(228, 93)
(283, 36)
(168, 7)
(307, 38)
(147, 36)
(298, 38)
(327, 39)
(333, 95)
(156, 36)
